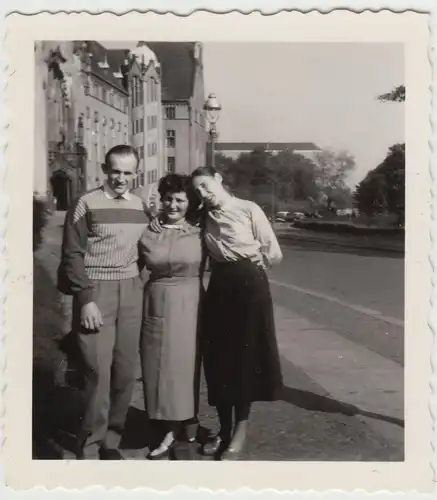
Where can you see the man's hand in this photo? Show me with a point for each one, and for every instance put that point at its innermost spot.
(155, 225)
(91, 317)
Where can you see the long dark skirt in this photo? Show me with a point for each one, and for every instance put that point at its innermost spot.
(240, 352)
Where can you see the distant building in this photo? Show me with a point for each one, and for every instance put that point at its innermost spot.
(40, 175)
(146, 120)
(183, 97)
(235, 149)
(64, 170)
(102, 104)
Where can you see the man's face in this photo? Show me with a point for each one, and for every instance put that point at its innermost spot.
(120, 172)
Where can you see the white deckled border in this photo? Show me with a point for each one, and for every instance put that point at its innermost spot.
(288, 476)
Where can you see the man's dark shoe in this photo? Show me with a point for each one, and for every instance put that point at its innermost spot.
(110, 454)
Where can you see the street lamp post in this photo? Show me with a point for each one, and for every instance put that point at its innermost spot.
(212, 108)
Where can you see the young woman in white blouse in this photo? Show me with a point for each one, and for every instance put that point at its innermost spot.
(239, 348)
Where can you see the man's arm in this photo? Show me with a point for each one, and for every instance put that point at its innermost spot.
(74, 245)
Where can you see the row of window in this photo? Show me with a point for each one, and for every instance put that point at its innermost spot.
(97, 149)
(111, 123)
(152, 150)
(152, 122)
(170, 114)
(107, 95)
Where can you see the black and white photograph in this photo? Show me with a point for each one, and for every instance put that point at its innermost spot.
(220, 250)
(299, 284)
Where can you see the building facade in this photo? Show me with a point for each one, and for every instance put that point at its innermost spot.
(235, 149)
(40, 171)
(64, 169)
(146, 121)
(101, 104)
(183, 98)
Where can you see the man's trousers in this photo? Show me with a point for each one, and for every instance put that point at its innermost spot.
(109, 359)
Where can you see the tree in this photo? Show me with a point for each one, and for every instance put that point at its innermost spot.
(383, 189)
(270, 180)
(332, 170)
(396, 95)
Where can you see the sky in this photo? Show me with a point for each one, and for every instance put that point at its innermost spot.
(325, 93)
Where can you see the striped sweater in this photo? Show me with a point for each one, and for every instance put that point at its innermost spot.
(100, 241)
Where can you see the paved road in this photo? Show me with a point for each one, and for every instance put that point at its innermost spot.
(339, 317)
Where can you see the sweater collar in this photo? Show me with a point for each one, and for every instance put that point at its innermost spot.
(111, 194)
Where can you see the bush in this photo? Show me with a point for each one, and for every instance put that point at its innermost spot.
(40, 216)
(344, 228)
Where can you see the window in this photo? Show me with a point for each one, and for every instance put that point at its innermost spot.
(104, 95)
(96, 117)
(111, 98)
(142, 125)
(171, 164)
(132, 92)
(154, 91)
(149, 90)
(88, 113)
(152, 149)
(141, 152)
(171, 138)
(170, 112)
(119, 127)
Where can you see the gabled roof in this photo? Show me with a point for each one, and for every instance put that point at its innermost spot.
(177, 68)
(115, 60)
(272, 146)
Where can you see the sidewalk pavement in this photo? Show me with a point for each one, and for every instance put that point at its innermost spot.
(341, 401)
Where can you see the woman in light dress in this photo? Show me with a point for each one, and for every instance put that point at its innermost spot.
(169, 337)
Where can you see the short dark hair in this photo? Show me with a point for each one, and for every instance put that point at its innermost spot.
(121, 150)
(208, 170)
(178, 183)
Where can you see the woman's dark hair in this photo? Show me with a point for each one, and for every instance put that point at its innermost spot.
(207, 170)
(177, 183)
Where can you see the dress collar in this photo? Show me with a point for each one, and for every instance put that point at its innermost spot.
(109, 193)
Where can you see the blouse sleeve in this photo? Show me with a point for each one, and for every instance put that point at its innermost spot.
(264, 233)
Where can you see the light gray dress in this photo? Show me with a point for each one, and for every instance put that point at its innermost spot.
(169, 336)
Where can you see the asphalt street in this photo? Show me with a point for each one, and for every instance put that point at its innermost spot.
(339, 319)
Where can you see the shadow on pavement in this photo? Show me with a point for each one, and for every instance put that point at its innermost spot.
(315, 402)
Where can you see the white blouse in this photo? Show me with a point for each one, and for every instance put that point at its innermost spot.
(240, 229)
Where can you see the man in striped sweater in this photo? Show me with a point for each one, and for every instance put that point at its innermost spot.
(100, 268)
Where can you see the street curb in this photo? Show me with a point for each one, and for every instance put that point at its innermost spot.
(342, 244)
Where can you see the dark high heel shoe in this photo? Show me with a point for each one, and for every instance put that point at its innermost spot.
(213, 447)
